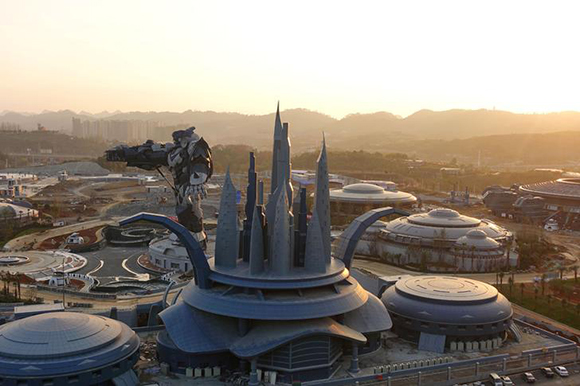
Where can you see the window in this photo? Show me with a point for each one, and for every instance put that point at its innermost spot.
(174, 265)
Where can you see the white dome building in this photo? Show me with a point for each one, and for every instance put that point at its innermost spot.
(442, 240)
(356, 199)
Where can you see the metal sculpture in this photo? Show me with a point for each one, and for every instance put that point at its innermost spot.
(190, 161)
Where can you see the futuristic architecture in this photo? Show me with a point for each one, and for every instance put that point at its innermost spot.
(272, 296)
(442, 312)
(356, 199)
(555, 201)
(440, 240)
(67, 348)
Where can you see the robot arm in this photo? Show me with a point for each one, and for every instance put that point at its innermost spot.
(148, 156)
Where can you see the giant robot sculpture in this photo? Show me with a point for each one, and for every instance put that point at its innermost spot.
(190, 162)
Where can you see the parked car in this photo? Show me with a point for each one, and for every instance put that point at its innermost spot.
(529, 377)
(561, 370)
(548, 372)
(495, 380)
(507, 381)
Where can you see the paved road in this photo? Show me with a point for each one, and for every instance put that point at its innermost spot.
(382, 269)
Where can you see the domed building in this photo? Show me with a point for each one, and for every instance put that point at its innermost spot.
(62, 348)
(454, 313)
(443, 240)
(356, 199)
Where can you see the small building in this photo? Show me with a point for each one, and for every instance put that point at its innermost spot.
(75, 238)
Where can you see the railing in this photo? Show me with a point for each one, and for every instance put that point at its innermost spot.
(443, 374)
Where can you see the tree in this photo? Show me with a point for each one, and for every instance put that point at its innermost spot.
(511, 284)
(522, 287)
(575, 269)
(543, 282)
(561, 269)
(501, 275)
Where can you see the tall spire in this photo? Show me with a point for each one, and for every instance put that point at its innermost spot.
(274, 180)
(284, 164)
(280, 257)
(257, 244)
(322, 199)
(314, 259)
(227, 244)
(251, 194)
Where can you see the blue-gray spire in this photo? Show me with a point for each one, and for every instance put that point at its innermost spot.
(284, 164)
(301, 229)
(257, 244)
(274, 179)
(227, 234)
(280, 256)
(322, 199)
(251, 194)
(314, 258)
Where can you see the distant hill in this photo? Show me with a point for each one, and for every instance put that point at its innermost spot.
(374, 132)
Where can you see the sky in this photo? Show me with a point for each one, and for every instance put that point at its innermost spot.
(336, 57)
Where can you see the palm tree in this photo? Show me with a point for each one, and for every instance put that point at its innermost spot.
(511, 284)
(543, 281)
(561, 269)
(501, 275)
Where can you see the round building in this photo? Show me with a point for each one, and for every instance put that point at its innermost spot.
(442, 240)
(356, 199)
(441, 311)
(62, 348)
(561, 198)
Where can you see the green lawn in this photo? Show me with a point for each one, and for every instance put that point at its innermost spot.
(568, 314)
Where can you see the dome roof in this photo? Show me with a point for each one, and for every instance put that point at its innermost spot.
(442, 223)
(478, 239)
(370, 193)
(58, 342)
(13, 211)
(443, 217)
(444, 299)
(363, 188)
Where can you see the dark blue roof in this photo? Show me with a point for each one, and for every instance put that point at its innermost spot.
(63, 343)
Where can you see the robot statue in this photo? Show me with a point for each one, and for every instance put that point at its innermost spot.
(190, 162)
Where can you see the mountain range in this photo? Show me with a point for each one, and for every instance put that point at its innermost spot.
(376, 131)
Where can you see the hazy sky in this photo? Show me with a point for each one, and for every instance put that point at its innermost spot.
(331, 56)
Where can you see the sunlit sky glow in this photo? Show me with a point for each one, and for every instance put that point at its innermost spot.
(331, 56)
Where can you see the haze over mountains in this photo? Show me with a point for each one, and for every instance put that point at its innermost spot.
(376, 132)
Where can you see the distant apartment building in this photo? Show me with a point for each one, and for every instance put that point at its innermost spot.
(116, 130)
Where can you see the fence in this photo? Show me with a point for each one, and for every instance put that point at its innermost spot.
(443, 374)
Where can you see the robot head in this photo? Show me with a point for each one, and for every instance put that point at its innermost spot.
(183, 135)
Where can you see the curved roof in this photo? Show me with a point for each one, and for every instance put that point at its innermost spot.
(309, 303)
(372, 317)
(448, 300)
(442, 224)
(443, 217)
(563, 187)
(63, 342)
(370, 193)
(478, 239)
(192, 330)
(9, 211)
(267, 336)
